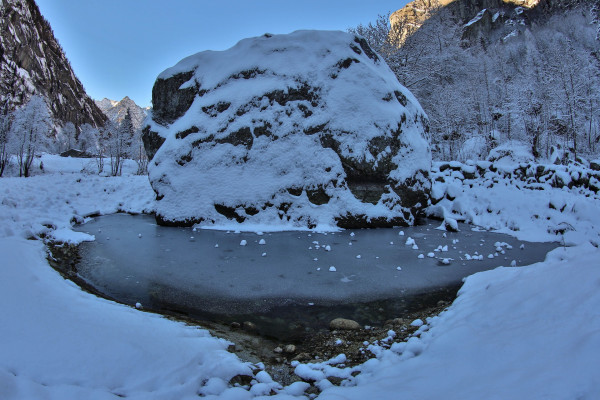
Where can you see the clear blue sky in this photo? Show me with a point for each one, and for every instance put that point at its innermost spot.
(118, 47)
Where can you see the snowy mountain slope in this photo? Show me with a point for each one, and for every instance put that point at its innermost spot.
(32, 61)
(513, 332)
(116, 111)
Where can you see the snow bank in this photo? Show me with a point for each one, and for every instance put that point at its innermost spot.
(46, 203)
(529, 201)
(527, 333)
(58, 342)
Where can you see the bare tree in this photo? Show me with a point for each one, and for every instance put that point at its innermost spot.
(116, 142)
(31, 131)
(5, 124)
(139, 154)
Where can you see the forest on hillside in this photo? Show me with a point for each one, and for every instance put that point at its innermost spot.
(537, 84)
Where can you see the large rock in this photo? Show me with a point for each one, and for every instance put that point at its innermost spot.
(308, 128)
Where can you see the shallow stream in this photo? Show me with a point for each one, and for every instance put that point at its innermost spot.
(289, 283)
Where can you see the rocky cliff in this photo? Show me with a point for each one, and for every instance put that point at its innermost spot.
(478, 17)
(32, 61)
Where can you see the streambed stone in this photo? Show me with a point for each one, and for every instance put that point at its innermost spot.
(344, 324)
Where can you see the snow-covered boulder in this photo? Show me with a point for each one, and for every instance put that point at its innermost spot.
(307, 128)
(511, 152)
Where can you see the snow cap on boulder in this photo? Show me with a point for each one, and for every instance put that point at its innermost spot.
(309, 128)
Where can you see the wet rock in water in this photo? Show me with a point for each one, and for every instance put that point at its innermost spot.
(249, 326)
(344, 324)
(290, 348)
(302, 357)
(310, 127)
(277, 350)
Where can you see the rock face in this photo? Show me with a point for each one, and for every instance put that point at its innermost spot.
(479, 17)
(32, 62)
(310, 128)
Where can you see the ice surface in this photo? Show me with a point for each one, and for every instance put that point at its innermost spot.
(164, 267)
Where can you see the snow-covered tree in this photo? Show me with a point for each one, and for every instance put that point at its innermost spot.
(87, 141)
(66, 137)
(31, 132)
(538, 84)
(139, 154)
(116, 142)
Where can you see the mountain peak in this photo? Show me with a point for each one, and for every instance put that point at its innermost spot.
(116, 110)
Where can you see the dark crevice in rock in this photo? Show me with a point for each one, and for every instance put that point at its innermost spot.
(344, 64)
(248, 74)
(303, 92)
(318, 196)
(315, 129)
(263, 130)
(216, 109)
(305, 110)
(366, 48)
(187, 222)
(355, 49)
(186, 158)
(367, 192)
(243, 137)
(229, 213)
(401, 98)
(296, 191)
(208, 139)
(361, 221)
(251, 210)
(328, 141)
(184, 134)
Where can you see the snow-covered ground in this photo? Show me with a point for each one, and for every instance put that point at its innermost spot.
(513, 333)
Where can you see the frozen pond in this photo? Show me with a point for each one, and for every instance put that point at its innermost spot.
(366, 275)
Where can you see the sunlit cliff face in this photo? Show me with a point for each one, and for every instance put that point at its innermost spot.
(408, 19)
(417, 12)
